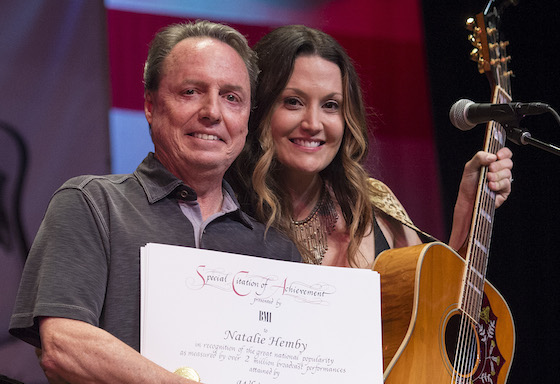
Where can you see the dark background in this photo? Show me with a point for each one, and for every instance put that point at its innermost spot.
(65, 40)
(523, 258)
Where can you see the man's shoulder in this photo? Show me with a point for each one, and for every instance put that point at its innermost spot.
(101, 188)
(93, 182)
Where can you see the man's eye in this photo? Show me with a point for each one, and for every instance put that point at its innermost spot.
(231, 98)
(189, 92)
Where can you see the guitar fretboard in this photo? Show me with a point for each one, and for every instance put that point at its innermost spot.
(481, 227)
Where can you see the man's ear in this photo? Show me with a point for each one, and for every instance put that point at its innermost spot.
(148, 106)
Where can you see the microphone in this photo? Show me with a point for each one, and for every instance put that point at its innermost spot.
(465, 114)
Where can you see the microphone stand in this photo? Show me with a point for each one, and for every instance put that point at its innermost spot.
(523, 137)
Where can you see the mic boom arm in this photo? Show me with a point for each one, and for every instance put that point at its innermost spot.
(521, 136)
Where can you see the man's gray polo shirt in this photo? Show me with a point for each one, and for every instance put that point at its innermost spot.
(84, 262)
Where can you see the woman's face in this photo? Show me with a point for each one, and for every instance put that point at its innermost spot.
(307, 123)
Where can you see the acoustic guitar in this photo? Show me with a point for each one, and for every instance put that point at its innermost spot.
(443, 322)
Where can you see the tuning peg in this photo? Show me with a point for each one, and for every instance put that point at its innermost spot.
(470, 24)
(475, 55)
(500, 60)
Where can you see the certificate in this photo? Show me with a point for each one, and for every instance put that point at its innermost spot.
(246, 320)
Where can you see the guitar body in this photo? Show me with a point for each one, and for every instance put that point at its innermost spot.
(421, 287)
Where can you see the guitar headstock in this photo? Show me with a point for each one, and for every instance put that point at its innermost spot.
(489, 51)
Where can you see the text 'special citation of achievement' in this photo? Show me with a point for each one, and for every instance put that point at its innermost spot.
(233, 319)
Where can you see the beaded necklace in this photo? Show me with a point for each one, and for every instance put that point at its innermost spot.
(312, 231)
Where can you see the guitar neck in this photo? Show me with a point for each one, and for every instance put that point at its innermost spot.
(482, 222)
(492, 59)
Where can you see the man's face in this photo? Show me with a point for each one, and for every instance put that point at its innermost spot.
(199, 113)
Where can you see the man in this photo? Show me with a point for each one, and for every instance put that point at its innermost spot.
(79, 296)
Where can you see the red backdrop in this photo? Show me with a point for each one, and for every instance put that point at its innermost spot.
(386, 42)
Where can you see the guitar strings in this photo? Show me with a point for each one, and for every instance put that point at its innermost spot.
(466, 354)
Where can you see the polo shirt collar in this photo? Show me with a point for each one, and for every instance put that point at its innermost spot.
(159, 183)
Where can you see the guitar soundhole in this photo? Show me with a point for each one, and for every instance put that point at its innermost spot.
(461, 335)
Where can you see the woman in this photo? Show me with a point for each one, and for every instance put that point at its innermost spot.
(301, 170)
